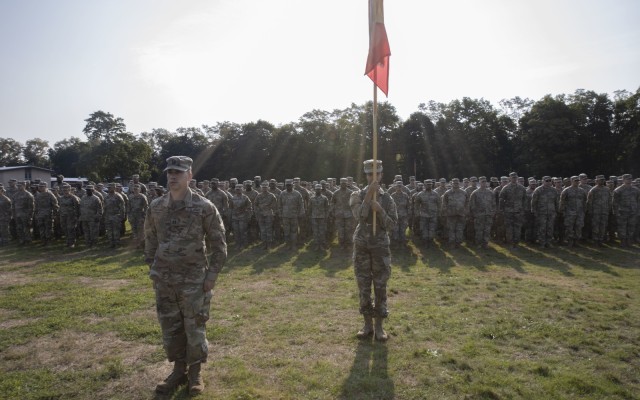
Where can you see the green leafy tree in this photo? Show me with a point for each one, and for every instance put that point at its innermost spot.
(36, 152)
(103, 126)
(10, 152)
(66, 154)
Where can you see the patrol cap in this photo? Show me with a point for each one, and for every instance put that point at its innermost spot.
(482, 179)
(135, 176)
(89, 187)
(238, 187)
(428, 182)
(13, 180)
(318, 186)
(257, 177)
(574, 178)
(233, 180)
(397, 183)
(613, 177)
(420, 184)
(21, 183)
(513, 175)
(111, 185)
(598, 177)
(179, 163)
(503, 179)
(546, 178)
(42, 184)
(465, 179)
(136, 186)
(397, 177)
(412, 178)
(455, 180)
(368, 166)
(66, 186)
(264, 184)
(288, 181)
(206, 181)
(118, 185)
(531, 178)
(473, 179)
(494, 179)
(343, 180)
(443, 180)
(582, 176)
(627, 176)
(272, 181)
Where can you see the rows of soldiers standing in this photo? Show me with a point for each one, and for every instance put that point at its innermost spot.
(476, 210)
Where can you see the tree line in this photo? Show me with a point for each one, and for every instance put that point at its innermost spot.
(556, 135)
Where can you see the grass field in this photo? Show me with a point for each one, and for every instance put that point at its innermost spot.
(464, 324)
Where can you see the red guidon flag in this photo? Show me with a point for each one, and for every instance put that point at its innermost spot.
(379, 51)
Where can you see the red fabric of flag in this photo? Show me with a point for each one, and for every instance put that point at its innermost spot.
(378, 60)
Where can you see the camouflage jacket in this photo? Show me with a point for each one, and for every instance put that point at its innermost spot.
(340, 203)
(219, 199)
(266, 204)
(625, 200)
(290, 204)
(138, 204)
(573, 201)
(513, 198)
(90, 208)
(241, 208)
(184, 240)
(69, 206)
(5, 208)
(403, 203)
(455, 202)
(23, 204)
(385, 221)
(319, 206)
(545, 200)
(114, 206)
(599, 200)
(482, 202)
(46, 203)
(427, 204)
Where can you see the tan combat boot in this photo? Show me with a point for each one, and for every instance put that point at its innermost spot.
(367, 329)
(177, 377)
(196, 384)
(381, 335)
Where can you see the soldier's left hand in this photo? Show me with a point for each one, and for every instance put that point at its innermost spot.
(375, 206)
(208, 285)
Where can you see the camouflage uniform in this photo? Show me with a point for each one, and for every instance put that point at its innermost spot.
(482, 206)
(23, 205)
(512, 202)
(342, 214)
(291, 207)
(626, 205)
(544, 206)
(371, 252)
(185, 244)
(403, 207)
(138, 205)
(5, 217)
(469, 228)
(529, 226)
(114, 208)
(427, 209)
(598, 205)
(90, 214)
(10, 192)
(454, 206)
(69, 214)
(265, 208)
(498, 230)
(46, 206)
(573, 204)
(319, 212)
(241, 212)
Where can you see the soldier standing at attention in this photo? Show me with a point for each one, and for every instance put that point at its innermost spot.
(427, 209)
(319, 212)
(90, 215)
(482, 206)
(544, 206)
(46, 206)
(626, 202)
(291, 207)
(573, 201)
(69, 214)
(598, 206)
(241, 212)
(512, 201)
(403, 208)
(342, 214)
(265, 208)
(185, 248)
(455, 203)
(371, 252)
(23, 205)
(5, 216)
(138, 205)
(114, 208)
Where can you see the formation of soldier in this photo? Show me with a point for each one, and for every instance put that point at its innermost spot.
(549, 211)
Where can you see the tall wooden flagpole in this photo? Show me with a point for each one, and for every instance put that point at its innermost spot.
(375, 148)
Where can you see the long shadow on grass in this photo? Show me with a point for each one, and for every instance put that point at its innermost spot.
(436, 257)
(369, 376)
(584, 258)
(546, 258)
(337, 260)
(482, 258)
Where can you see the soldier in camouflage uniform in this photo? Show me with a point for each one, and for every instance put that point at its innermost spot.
(46, 206)
(482, 206)
(136, 181)
(114, 208)
(626, 205)
(10, 192)
(304, 227)
(498, 230)
(138, 205)
(91, 210)
(371, 252)
(584, 185)
(611, 224)
(598, 205)
(427, 209)
(342, 215)
(241, 212)
(558, 228)
(403, 208)
(185, 249)
(455, 206)
(544, 206)
(5, 216)
(512, 202)
(69, 214)
(278, 233)
(573, 202)
(125, 214)
(265, 208)
(469, 228)
(291, 210)
(23, 206)
(529, 226)
(319, 212)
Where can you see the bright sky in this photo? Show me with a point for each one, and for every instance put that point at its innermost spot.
(173, 63)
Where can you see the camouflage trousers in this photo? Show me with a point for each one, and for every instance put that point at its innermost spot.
(599, 226)
(626, 225)
(612, 226)
(498, 229)
(372, 265)
(290, 230)
(344, 228)
(319, 227)
(529, 230)
(455, 225)
(428, 227)
(469, 229)
(183, 310)
(545, 224)
(266, 228)
(4, 230)
(23, 228)
(112, 229)
(482, 227)
(573, 226)
(91, 230)
(68, 224)
(136, 220)
(399, 232)
(240, 231)
(513, 226)
(45, 226)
